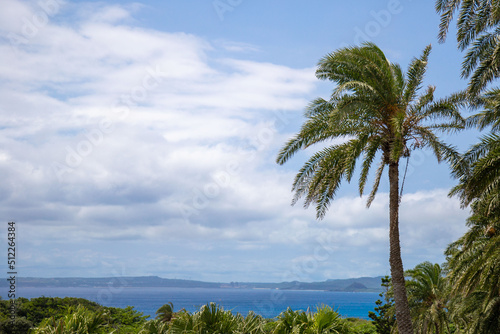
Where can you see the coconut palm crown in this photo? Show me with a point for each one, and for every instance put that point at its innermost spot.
(374, 113)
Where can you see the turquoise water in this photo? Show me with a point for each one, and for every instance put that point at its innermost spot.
(268, 303)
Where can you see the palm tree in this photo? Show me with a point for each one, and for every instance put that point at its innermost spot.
(155, 326)
(252, 323)
(290, 321)
(428, 298)
(474, 270)
(210, 318)
(479, 31)
(327, 321)
(183, 323)
(324, 321)
(165, 312)
(376, 111)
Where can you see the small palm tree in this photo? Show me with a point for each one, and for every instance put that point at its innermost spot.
(290, 321)
(165, 312)
(377, 111)
(155, 326)
(324, 321)
(184, 323)
(251, 324)
(327, 321)
(212, 318)
(428, 298)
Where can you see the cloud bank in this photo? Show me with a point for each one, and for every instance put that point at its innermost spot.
(152, 153)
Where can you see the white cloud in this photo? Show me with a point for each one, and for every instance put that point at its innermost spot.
(233, 46)
(13, 14)
(118, 138)
(109, 14)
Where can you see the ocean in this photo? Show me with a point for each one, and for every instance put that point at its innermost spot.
(266, 302)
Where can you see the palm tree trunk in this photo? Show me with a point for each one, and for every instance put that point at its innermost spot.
(397, 273)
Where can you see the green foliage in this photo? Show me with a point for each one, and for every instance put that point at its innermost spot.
(474, 269)
(477, 170)
(252, 323)
(37, 309)
(18, 326)
(125, 316)
(78, 320)
(54, 313)
(324, 320)
(89, 317)
(361, 326)
(212, 318)
(165, 312)
(428, 297)
(478, 30)
(291, 321)
(155, 326)
(474, 259)
(385, 317)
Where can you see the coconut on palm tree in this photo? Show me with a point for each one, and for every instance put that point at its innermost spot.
(377, 111)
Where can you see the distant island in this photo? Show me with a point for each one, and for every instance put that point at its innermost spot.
(362, 284)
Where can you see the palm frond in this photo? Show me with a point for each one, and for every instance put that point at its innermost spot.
(415, 75)
(376, 183)
(447, 8)
(486, 71)
(370, 153)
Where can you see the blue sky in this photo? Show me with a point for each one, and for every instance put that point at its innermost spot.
(139, 138)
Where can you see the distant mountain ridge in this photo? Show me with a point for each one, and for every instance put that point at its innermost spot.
(362, 284)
